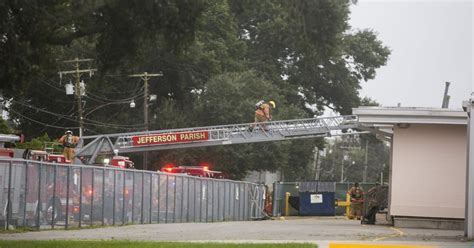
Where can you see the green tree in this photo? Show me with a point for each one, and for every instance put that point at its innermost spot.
(218, 59)
(4, 128)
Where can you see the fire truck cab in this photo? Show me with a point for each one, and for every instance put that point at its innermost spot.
(197, 171)
(120, 161)
(6, 139)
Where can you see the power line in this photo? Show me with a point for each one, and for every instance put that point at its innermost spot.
(39, 122)
(87, 121)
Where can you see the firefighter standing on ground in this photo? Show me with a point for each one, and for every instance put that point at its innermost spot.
(374, 204)
(262, 114)
(356, 194)
(69, 142)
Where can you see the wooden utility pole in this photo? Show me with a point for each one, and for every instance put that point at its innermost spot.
(366, 165)
(146, 77)
(79, 89)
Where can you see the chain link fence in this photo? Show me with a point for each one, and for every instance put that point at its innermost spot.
(42, 195)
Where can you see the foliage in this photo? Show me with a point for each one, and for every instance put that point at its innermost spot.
(35, 143)
(4, 128)
(217, 57)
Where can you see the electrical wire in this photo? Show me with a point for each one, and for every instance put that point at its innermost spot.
(138, 95)
(86, 121)
(39, 122)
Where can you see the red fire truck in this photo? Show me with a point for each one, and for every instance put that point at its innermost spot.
(197, 171)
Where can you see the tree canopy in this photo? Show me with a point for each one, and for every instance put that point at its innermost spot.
(217, 57)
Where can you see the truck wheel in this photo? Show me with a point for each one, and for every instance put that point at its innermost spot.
(50, 218)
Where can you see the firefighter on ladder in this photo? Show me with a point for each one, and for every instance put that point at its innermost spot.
(262, 114)
(69, 142)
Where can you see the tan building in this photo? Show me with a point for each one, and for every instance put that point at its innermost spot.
(428, 163)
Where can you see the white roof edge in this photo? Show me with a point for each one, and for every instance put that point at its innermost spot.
(410, 115)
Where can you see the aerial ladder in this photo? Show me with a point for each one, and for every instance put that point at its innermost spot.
(212, 136)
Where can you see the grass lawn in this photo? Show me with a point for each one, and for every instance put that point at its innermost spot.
(140, 244)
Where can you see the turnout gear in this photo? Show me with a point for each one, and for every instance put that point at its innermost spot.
(69, 142)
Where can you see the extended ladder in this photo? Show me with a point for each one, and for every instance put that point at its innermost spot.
(217, 135)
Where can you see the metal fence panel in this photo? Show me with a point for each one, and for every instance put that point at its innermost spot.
(86, 196)
(184, 198)
(97, 214)
(178, 199)
(163, 198)
(108, 197)
(137, 197)
(170, 210)
(198, 202)
(15, 194)
(154, 198)
(46, 195)
(31, 196)
(146, 182)
(128, 198)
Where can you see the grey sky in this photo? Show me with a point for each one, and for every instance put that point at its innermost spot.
(431, 43)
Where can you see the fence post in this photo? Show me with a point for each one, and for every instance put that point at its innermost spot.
(133, 198)
(187, 209)
(26, 193)
(166, 206)
(9, 204)
(103, 196)
(114, 198)
(218, 200)
(38, 206)
(182, 199)
(212, 200)
(200, 200)
(68, 175)
(207, 199)
(143, 197)
(124, 173)
(54, 196)
(223, 204)
(151, 198)
(80, 197)
(159, 199)
(194, 196)
(174, 201)
(92, 196)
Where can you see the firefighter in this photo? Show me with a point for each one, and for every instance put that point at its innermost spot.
(356, 194)
(262, 114)
(69, 142)
(374, 204)
(268, 205)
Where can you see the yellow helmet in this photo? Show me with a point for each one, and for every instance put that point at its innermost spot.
(272, 103)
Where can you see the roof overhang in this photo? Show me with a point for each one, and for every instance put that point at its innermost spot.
(410, 115)
(380, 120)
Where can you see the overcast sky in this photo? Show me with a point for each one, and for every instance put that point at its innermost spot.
(431, 43)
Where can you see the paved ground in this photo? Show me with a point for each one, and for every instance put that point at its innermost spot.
(319, 230)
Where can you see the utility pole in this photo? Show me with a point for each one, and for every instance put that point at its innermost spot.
(364, 176)
(79, 87)
(316, 163)
(445, 103)
(342, 167)
(146, 77)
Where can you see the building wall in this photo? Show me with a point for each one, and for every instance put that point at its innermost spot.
(428, 171)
